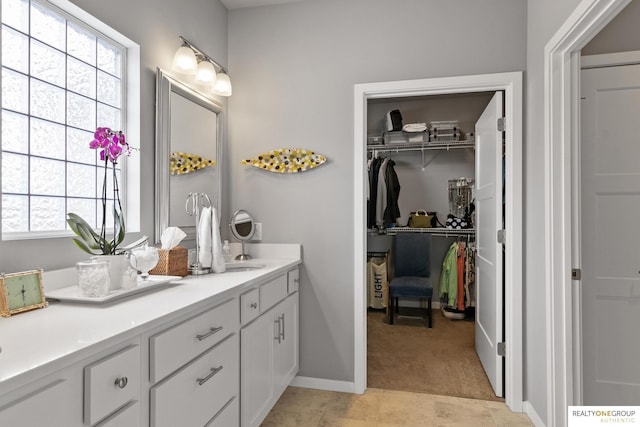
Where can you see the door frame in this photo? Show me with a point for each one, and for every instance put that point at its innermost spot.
(562, 169)
(511, 84)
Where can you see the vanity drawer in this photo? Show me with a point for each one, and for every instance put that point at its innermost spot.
(250, 305)
(193, 395)
(273, 292)
(125, 417)
(110, 383)
(228, 416)
(293, 281)
(171, 349)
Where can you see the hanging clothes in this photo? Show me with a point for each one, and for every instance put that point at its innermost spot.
(392, 211)
(461, 276)
(381, 199)
(374, 171)
(384, 191)
(449, 276)
(457, 280)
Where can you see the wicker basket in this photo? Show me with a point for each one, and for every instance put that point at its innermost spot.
(173, 262)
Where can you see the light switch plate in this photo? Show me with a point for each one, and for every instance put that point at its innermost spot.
(257, 235)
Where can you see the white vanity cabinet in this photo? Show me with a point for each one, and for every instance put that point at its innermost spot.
(197, 364)
(55, 402)
(101, 390)
(189, 355)
(111, 383)
(269, 349)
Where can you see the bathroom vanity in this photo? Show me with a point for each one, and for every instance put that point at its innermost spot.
(213, 350)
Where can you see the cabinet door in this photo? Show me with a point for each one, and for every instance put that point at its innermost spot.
(55, 404)
(286, 348)
(256, 373)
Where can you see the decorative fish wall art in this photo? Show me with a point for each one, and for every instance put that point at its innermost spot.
(182, 163)
(286, 160)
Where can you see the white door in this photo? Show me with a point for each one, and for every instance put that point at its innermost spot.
(489, 256)
(610, 218)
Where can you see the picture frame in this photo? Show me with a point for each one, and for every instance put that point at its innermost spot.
(20, 292)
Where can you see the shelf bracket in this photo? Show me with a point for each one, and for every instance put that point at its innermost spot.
(424, 165)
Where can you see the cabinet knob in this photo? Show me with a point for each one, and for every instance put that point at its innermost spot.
(296, 280)
(254, 305)
(121, 382)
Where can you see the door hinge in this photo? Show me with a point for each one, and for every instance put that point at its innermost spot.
(502, 349)
(576, 274)
(502, 124)
(502, 237)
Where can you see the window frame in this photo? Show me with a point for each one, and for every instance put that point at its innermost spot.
(130, 96)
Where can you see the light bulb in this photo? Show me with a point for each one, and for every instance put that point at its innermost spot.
(223, 84)
(184, 61)
(206, 73)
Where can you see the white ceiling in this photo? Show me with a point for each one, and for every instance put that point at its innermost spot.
(238, 4)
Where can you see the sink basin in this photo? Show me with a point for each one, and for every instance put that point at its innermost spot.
(242, 266)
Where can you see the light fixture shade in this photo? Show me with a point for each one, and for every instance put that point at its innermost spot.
(223, 84)
(184, 61)
(206, 73)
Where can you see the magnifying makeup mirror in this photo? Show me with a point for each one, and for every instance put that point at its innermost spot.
(242, 227)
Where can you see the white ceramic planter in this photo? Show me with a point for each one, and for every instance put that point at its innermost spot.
(117, 266)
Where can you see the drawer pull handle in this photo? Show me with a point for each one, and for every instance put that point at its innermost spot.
(208, 377)
(283, 326)
(254, 305)
(278, 335)
(121, 382)
(208, 334)
(296, 280)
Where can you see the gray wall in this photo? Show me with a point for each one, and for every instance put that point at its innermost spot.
(295, 67)
(544, 18)
(620, 35)
(155, 25)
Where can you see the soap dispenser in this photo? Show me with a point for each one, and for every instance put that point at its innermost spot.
(226, 251)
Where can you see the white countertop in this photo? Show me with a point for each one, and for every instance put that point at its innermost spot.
(31, 342)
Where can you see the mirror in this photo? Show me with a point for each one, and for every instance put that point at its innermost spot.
(242, 227)
(188, 152)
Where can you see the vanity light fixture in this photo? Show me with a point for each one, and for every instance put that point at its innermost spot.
(192, 61)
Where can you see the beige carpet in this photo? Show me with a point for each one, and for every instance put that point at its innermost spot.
(408, 356)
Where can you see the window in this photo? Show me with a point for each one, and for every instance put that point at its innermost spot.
(61, 78)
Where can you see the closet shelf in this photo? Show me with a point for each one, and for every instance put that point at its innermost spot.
(437, 231)
(421, 146)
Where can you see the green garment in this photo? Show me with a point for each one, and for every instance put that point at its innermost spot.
(449, 275)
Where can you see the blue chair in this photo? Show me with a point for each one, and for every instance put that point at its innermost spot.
(412, 275)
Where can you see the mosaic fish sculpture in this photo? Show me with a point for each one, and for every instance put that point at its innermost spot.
(182, 163)
(286, 160)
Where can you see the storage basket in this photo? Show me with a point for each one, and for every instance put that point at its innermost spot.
(173, 262)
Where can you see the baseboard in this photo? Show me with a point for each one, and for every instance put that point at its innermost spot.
(323, 384)
(532, 414)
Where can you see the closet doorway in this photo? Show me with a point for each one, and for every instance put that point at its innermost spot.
(509, 312)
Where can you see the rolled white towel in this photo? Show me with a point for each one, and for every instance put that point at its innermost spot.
(204, 238)
(217, 255)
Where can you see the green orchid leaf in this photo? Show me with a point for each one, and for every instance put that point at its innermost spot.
(83, 230)
(84, 247)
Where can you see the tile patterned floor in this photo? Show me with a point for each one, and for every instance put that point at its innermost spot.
(299, 407)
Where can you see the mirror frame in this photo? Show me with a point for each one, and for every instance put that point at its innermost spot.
(165, 85)
(234, 231)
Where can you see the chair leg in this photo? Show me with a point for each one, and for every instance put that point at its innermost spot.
(391, 310)
(429, 312)
(397, 305)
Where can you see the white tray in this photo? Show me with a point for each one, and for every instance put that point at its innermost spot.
(70, 293)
